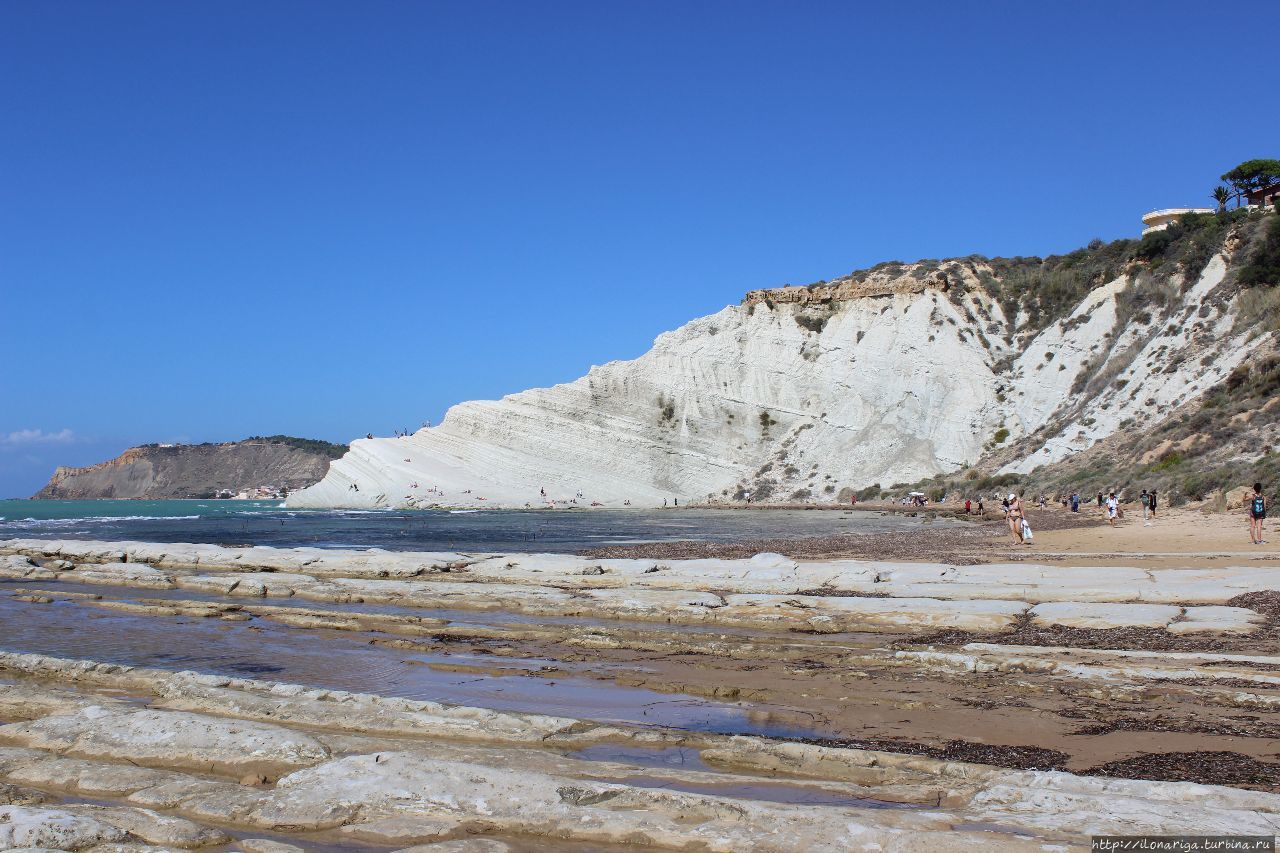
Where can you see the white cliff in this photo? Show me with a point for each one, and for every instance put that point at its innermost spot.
(884, 377)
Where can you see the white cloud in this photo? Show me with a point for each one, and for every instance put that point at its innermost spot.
(26, 437)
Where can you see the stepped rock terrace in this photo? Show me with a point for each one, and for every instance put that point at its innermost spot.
(538, 702)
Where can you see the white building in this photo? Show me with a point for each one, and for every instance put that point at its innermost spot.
(1158, 220)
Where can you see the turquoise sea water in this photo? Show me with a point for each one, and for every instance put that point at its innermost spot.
(269, 523)
(45, 510)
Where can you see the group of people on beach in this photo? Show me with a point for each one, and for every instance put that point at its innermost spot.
(1255, 506)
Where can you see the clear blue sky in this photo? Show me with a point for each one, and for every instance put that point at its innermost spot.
(324, 219)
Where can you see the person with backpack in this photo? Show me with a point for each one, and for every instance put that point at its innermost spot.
(1257, 505)
(1145, 500)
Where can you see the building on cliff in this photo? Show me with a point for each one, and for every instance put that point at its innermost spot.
(1264, 196)
(1158, 220)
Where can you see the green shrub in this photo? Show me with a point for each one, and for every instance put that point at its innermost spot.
(1262, 267)
(1155, 244)
(986, 484)
(870, 493)
(310, 445)
(812, 323)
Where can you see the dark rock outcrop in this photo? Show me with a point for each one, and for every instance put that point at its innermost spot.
(161, 472)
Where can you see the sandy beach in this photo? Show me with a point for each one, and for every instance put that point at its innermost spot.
(1174, 538)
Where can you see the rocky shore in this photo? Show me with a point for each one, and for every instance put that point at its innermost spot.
(896, 706)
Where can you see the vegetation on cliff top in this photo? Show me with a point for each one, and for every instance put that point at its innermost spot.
(309, 445)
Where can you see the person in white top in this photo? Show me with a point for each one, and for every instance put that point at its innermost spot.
(1113, 507)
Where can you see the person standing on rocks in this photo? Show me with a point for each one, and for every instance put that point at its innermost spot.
(1257, 505)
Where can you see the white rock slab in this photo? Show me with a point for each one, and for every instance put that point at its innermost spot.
(1090, 615)
(170, 739)
(51, 828)
(1217, 620)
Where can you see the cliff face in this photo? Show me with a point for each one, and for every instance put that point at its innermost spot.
(185, 471)
(891, 375)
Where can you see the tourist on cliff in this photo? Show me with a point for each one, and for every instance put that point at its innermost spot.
(1257, 514)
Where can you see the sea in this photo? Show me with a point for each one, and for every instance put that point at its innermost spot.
(230, 522)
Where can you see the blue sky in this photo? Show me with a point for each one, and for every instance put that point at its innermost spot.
(326, 219)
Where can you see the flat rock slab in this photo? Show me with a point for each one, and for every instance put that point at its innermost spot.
(1217, 620)
(53, 828)
(157, 828)
(447, 796)
(390, 716)
(131, 574)
(1087, 615)
(871, 614)
(171, 739)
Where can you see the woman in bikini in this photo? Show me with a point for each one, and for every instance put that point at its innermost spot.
(1015, 517)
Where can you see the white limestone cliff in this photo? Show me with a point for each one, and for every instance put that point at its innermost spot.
(899, 374)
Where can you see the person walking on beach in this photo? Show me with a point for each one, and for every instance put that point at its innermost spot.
(1075, 501)
(1113, 508)
(968, 506)
(1151, 502)
(1099, 500)
(1015, 516)
(1145, 500)
(1257, 513)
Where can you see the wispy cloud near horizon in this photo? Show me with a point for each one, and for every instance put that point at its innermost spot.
(28, 437)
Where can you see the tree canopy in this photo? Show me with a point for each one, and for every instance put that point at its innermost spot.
(1253, 174)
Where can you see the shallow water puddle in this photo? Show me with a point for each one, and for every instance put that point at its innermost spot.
(349, 661)
(674, 756)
